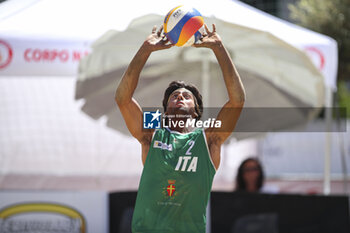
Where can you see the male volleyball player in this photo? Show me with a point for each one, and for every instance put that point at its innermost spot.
(179, 162)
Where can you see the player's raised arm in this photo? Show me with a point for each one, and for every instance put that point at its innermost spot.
(128, 106)
(230, 112)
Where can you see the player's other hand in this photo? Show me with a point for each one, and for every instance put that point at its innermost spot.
(209, 39)
(157, 40)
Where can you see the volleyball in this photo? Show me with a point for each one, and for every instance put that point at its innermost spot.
(183, 26)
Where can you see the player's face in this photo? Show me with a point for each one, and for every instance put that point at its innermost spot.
(251, 171)
(181, 101)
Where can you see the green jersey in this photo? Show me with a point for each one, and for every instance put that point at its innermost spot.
(175, 184)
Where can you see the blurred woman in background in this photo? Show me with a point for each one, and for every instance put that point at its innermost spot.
(250, 176)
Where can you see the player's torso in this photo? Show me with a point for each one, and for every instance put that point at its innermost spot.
(176, 182)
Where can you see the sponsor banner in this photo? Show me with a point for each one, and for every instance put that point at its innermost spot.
(41, 57)
(58, 212)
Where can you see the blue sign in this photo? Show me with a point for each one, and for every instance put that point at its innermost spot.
(151, 120)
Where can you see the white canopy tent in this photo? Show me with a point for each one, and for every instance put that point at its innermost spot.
(41, 43)
(81, 22)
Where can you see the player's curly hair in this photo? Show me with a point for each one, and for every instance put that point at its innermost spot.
(181, 84)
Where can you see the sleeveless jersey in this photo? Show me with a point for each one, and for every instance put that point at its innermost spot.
(175, 184)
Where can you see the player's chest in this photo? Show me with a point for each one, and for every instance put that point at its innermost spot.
(180, 155)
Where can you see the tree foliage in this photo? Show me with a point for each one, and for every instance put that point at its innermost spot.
(329, 17)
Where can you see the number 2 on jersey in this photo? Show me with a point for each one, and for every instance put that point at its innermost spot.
(191, 143)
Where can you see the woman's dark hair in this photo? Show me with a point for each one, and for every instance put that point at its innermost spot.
(181, 84)
(240, 183)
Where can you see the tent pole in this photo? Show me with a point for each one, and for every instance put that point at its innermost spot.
(205, 94)
(205, 80)
(328, 144)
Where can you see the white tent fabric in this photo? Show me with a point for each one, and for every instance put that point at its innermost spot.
(85, 21)
(43, 131)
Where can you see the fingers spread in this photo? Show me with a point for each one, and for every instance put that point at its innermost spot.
(206, 28)
(214, 28)
(160, 30)
(154, 29)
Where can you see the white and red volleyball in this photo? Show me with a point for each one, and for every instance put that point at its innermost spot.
(183, 26)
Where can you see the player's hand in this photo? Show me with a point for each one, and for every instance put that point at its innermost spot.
(157, 40)
(210, 39)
